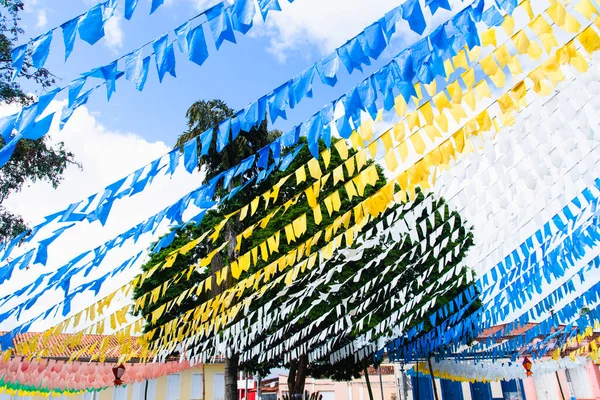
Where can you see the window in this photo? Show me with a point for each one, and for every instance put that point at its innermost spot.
(173, 383)
(90, 396)
(328, 395)
(196, 387)
(269, 396)
(151, 389)
(119, 393)
(219, 386)
(139, 389)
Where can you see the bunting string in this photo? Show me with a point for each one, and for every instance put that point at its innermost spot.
(138, 185)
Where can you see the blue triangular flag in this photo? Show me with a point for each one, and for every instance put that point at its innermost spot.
(91, 25)
(69, 30)
(110, 73)
(173, 161)
(243, 15)
(411, 12)
(182, 33)
(7, 125)
(75, 88)
(40, 49)
(220, 24)
(268, 5)
(155, 5)
(165, 56)
(206, 140)
(223, 134)
(190, 155)
(278, 101)
(375, 40)
(198, 52)
(45, 99)
(130, 6)
(17, 56)
(39, 129)
(328, 68)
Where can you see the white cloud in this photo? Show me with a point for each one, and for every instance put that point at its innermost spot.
(42, 19)
(114, 33)
(106, 157)
(304, 25)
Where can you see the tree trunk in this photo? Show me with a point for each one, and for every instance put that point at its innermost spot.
(231, 363)
(231, 368)
(297, 377)
(292, 378)
(301, 374)
(368, 383)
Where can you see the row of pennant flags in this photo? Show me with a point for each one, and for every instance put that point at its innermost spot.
(422, 63)
(59, 377)
(98, 206)
(138, 181)
(222, 21)
(141, 178)
(493, 371)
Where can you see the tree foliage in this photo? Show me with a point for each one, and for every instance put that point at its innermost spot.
(32, 160)
(300, 368)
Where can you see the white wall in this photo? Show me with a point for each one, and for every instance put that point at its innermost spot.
(546, 387)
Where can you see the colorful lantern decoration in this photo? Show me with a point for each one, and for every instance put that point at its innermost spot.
(527, 366)
(118, 372)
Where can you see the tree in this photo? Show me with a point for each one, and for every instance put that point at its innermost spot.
(348, 368)
(204, 115)
(300, 367)
(31, 160)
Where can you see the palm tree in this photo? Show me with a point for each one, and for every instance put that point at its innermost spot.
(203, 115)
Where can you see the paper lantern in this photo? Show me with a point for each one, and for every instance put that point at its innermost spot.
(527, 366)
(118, 372)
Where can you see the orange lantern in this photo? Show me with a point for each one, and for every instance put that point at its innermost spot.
(118, 372)
(527, 365)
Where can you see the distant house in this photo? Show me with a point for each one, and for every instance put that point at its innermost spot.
(197, 383)
(356, 389)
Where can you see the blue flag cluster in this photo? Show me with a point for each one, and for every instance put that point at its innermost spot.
(412, 64)
(98, 206)
(222, 21)
(61, 278)
(89, 25)
(65, 304)
(516, 280)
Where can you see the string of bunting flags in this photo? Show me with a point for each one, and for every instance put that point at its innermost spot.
(14, 263)
(489, 86)
(251, 116)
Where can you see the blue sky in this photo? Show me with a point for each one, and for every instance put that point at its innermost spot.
(238, 74)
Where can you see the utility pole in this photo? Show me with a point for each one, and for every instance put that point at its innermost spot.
(259, 388)
(381, 382)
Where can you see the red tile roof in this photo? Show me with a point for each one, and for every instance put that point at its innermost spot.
(61, 348)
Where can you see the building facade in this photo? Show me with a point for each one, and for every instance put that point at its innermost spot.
(581, 383)
(199, 383)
